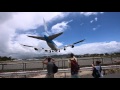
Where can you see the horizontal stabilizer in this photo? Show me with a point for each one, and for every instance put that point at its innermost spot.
(37, 37)
(26, 45)
(54, 36)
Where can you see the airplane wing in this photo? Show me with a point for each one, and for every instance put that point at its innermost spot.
(26, 45)
(72, 45)
(79, 41)
(35, 48)
(37, 37)
(49, 50)
(75, 43)
(54, 36)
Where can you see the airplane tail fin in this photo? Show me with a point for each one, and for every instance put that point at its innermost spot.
(45, 27)
(46, 30)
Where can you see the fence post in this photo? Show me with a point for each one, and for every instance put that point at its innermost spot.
(93, 60)
(104, 73)
(102, 60)
(58, 63)
(43, 66)
(65, 74)
(111, 59)
(23, 66)
(2, 67)
(62, 64)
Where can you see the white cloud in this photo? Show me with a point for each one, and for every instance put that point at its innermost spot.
(90, 13)
(91, 48)
(101, 12)
(60, 27)
(91, 21)
(58, 43)
(96, 19)
(31, 20)
(11, 22)
(96, 27)
(81, 24)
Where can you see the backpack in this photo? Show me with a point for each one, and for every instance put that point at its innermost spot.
(75, 66)
(96, 73)
(55, 68)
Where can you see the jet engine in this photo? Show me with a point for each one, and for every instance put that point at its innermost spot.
(64, 48)
(46, 50)
(72, 46)
(36, 49)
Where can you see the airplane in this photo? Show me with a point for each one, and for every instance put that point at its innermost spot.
(49, 40)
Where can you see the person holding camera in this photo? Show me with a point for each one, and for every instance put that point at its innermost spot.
(50, 63)
(97, 70)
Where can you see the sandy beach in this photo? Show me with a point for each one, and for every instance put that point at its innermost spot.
(64, 75)
(113, 73)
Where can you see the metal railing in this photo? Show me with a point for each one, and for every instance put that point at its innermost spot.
(61, 63)
(25, 74)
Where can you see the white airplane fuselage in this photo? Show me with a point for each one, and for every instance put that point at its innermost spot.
(50, 43)
(52, 46)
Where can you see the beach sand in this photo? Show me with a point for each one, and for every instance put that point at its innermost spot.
(64, 75)
(82, 74)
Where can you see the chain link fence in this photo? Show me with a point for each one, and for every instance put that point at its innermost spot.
(61, 63)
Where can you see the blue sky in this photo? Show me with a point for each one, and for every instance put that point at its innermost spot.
(104, 29)
(100, 29)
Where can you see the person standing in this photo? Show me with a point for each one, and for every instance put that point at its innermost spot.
(97, 70)
(73, 64)
(50, 63)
